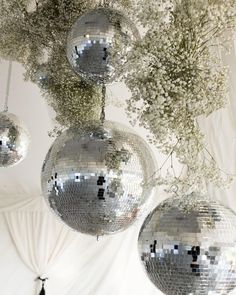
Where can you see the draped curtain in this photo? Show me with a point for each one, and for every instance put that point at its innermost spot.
(38, 237)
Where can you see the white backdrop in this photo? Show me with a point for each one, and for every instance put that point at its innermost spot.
(33, 242)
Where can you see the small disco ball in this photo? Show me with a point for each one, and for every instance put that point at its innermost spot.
(93, 178)
(14, 140)
(98, 44)
(187, 246)
(42, 78)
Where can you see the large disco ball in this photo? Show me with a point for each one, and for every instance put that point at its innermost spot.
(93, 179)
(98, 44)
(14, 140)
(187, 246)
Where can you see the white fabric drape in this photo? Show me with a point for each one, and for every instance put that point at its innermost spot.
(39, 238)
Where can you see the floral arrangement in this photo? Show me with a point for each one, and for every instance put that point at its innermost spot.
(180, 75)
(181, 78)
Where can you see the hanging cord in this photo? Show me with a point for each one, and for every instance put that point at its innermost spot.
(8, 86)
(103, 104)
(42, 292)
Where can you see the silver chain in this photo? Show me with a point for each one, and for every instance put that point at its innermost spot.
(8, 86)
(103, 104)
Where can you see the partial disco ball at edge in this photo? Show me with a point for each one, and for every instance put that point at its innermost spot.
(14, 140)
(98, 44)
(187, 247)
(93, 179)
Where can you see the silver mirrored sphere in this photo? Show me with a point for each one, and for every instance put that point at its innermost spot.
(98, 44)
(42, 78)
(188, 246)
(93, 179)
(14, 140)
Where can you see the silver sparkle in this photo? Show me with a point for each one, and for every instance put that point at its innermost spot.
(98, 44)
(93, 179)
(42, 78)
(187, 246)
(14, 140)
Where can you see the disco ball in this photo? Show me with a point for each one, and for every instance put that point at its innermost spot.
(187, 246)
(14, 140)
(98, 44)
(93, 178)
(42, 78)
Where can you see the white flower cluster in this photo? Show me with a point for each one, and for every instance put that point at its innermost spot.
(180, 77)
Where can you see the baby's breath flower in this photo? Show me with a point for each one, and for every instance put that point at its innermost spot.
(180, 77)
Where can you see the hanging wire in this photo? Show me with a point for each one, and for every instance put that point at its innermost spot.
(8, 86)
(103, 104)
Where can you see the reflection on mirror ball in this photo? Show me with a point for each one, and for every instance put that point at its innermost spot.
(187, 246)
(93, 178)
(14, 140)
(98, 44)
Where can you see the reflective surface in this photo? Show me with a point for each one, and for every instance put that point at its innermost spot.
(42, 78)
(92, 179)
(14, 140)
(99, 42)
(187, 246)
